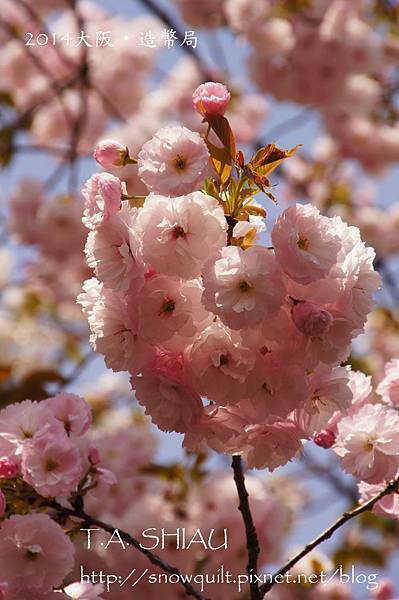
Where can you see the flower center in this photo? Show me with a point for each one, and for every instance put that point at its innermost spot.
(369, 446)
(51, 465)
(223, 360)
(33, 551)
(180, 163)
(168, 306)
(178, 232)
(266, 388)
(303, 243)
(244, 286)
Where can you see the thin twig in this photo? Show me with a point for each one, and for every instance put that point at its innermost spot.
(126, 537)
(42, 68)
(332, 478)
(391, 488)
(169, 22)
(289, 124)
(250, 530)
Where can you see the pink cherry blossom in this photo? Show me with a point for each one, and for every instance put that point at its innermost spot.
(170, 308)
(388, 388)
(174, 162)
(102, 195)
(220, 364)
(8, 468)
(20, 423)
(73, 411)
(213, 96)
(170, 401)
(306, 243)
(114, 252)
(219, 428)
(368, 443)
(330, 393)
(272, 445)
(173, 229)
(34, 553)
(114, 328)
(310, 319)
(243, 287)
(385, 591)
(387, 506)
(110, 154)
(51, 464)
(275, 389)
(84, 591)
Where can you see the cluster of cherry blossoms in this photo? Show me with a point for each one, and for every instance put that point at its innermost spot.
(235, 344)
(43, 456)
(54, 459)
(328, 54)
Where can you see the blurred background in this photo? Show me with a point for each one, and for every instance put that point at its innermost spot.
(321, 73)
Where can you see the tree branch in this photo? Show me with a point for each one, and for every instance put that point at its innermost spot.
(126, 537)
(250, 530)
(333, 479)
(164, 16)
(391, 488)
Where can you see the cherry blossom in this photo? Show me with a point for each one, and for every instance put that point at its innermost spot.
(306, 243)
(51, 464)
(34, 552)
(367, 443)
(172, 231)
(174, 161)
(102, 194)
(72, 411)
(243, 287)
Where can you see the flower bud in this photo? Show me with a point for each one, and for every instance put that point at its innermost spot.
(213, 96)
(8, 468)
(94, 455)
(385, 591)
(310, 319)
(324, 438)
(110, 154)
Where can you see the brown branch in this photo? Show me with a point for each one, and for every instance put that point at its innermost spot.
(391, 488)
(126, 537)
(250, 530)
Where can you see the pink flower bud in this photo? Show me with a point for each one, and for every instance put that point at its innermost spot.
(385, 591)
(214, 96)
(2, 505)
(3, 590)
(94, 455)
(324, 438)
(310, 319)
(8, 468)
(110, 154)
